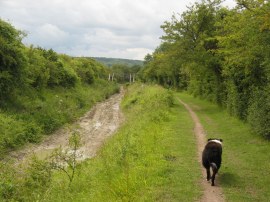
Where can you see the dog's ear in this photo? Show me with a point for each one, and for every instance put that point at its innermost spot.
(220, 140)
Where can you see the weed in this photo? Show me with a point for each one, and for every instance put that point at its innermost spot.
(66, 160)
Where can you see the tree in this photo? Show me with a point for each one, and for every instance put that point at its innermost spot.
(12, 59)
(219, 54)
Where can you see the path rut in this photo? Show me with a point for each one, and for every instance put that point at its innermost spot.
(210, 193)
(94, 128)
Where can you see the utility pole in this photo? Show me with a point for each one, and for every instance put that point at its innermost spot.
(112, 76)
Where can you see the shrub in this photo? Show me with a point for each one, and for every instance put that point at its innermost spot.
(85, 72)
(67, 160)
(38, 174)
(15, 132)
(259, 111)
(12, 59)
(49, 121)
(37, 72)
(61, 76)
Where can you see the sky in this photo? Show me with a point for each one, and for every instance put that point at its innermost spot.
(94, 28)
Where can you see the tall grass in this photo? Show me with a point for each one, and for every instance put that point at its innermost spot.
(244, 174)
(151, 158)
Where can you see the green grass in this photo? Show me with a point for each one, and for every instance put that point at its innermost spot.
(41, 113)
(151, 158)
(245, 171)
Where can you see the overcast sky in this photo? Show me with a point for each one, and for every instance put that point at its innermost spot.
(105, 28)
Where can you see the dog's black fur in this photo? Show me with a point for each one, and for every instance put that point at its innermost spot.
(211, 157)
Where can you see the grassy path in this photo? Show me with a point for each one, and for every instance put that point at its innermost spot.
(244, 173)
(213, 194)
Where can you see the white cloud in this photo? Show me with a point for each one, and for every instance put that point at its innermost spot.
(118, 28)
(51, 35)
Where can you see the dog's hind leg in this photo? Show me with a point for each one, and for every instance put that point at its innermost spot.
(208, 177)
(215, 170)
(213, 177)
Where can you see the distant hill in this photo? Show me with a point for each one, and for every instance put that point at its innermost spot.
(111, 61)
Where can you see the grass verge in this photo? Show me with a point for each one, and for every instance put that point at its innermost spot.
(244, 174)
(151, 158)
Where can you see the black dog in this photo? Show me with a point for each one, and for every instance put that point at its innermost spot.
(211, 157)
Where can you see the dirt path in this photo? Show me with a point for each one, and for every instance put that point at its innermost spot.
(94, 127)
(210, 193)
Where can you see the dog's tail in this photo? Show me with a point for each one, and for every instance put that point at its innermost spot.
(214, 167)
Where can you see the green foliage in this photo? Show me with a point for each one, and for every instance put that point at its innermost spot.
(32, 179)
(61, 76)
(38, 174)
(123, 73)
(87, 69)
(86, 72)
(45, 114)
(37, 71)
(24, 67)
(259, 113)
(8, 188)
(25, 183)
(117, 61)
(14, 132)
(41, 90)
(12, 60)
(219, 54)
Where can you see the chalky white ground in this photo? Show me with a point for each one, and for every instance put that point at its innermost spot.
(94, 128)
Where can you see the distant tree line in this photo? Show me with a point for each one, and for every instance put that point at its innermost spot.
(116, 61)
(220, 54)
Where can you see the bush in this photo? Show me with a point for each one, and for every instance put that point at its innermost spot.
(38, 174)
(61, 76)
(36, 71)
(15, 132)
(85, 72)
(12, 59)
(25, 183)
(259, 111)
